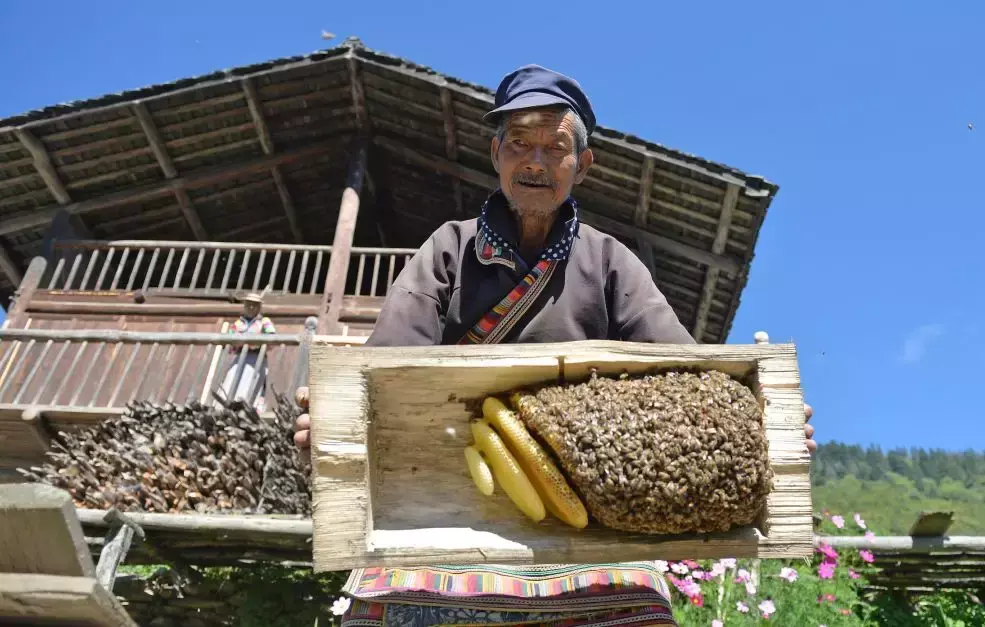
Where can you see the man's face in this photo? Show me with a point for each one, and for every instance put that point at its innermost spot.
(536, 160)
(251, 309)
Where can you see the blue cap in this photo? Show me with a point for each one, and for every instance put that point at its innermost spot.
(535, 86)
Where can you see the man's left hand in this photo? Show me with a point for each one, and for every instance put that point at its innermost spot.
(809, 429)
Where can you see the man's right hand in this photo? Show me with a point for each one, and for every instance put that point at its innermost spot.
(302, 426)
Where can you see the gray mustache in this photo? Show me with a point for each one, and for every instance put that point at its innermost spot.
(534, 180)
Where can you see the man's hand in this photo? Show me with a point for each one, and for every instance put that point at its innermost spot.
(302, 426)
(808, 428)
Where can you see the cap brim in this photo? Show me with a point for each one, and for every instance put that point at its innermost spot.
(525, 101)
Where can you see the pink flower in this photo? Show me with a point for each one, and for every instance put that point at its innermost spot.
(717, 623)
(717, 570)
(741, 607)
(679, 568)
(691, 588)
(866, 556)
(698, 600)
(767, 608)
(690, 564)
(789, 574)
(728, 562)
(830, 597)
(869, 536)
(838, 521)
(853, 574)
(828, 551)
(750, 588)
(742, 576)
(698, 574)
(826, 570)
(859, 521)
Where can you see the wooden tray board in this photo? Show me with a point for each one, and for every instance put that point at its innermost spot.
(390, 484)
(59, 600)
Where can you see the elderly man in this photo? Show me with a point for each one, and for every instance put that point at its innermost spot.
(527, 270)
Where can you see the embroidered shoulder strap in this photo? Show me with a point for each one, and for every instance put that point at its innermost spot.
(494, 326)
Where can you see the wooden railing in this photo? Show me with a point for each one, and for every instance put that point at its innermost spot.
(215, 268)
(925, 561)
(99, 369)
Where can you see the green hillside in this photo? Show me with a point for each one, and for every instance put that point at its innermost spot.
(890, 489)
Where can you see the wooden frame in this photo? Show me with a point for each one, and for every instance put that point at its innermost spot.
(46, 572)
(389, 426)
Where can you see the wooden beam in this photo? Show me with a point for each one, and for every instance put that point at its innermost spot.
(154, 139)
(256, 112)
(8, 267)
(42, 162)
(191, 216)
(905, 544)
(490, 182)
(288, 202)
(643, 201)
(113, 336)
(209, 176)
(170, 172)
(711, 275)
(353, 309)
(479, 179)
(267, 144)
(358, 92)
(345, 229)
(451, 145)
(679, 249)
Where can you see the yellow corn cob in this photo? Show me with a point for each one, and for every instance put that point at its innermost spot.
(551, 485)
(507, 471)
(479, 469)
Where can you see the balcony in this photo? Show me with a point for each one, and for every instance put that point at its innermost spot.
(202, 280)
(101, 324)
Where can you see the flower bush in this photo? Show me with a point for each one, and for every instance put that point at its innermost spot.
(823, 591)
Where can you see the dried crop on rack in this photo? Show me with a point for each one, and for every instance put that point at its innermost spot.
(175, 458)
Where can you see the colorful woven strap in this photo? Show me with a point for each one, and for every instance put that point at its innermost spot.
(493, 326)
(599, 594)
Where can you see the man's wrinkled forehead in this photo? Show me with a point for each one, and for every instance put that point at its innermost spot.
(539, 119)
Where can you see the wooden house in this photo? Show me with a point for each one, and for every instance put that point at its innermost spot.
(130, 224)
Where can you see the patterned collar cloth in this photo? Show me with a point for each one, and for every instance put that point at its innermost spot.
(497, 239)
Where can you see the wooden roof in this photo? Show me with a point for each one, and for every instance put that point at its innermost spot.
(259, 153)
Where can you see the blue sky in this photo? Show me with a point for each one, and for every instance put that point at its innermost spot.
(859, 111)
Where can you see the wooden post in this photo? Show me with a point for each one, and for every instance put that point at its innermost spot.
(711, 275)
(345, 229)
(304, 350)
(115, 546)
(17, 314)
(931, 524)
